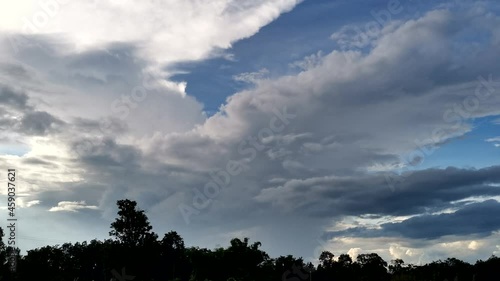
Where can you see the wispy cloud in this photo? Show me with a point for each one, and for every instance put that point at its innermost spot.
(251, 77)
(33, 203)
(495, 140)
(71, 206)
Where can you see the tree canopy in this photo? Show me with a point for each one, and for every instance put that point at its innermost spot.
(136, 253)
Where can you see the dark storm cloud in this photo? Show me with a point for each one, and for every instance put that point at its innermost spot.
(423, 190)
(420, 192)
(476, 219)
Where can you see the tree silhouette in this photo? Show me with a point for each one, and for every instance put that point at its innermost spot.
(373, 267)
(9, 258)
(173, 255)
(132, 227)
(326, 259)
(136, 251)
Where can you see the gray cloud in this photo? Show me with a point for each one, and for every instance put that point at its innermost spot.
(351, 113)
(19, 115)
(422, 191)
(39, 123)
(11, 98)
(39, 162)
(472, 219)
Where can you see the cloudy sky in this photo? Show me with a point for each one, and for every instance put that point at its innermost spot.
(349, 126)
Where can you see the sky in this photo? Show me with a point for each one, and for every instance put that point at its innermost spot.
(347, 126)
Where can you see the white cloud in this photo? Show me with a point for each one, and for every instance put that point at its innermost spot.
(368, 109)
(71, 206)
(308, 62)
(474, 245)
(354, 252)
(251, 77)
(350, 114)
(172, 31)
(416, 251)
(496, 141)
(32, 203)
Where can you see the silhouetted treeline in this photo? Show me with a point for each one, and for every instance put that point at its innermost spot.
(137, 253)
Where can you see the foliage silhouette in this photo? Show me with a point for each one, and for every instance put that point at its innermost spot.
(137, 254)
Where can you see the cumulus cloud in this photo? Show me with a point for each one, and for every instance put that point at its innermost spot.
(308, 143)
(173, 31)
(414, 251)
(335, 138)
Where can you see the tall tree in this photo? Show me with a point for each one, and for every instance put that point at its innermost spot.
(326, 259)
(373, 267)
(173, 255)
(132, 227)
